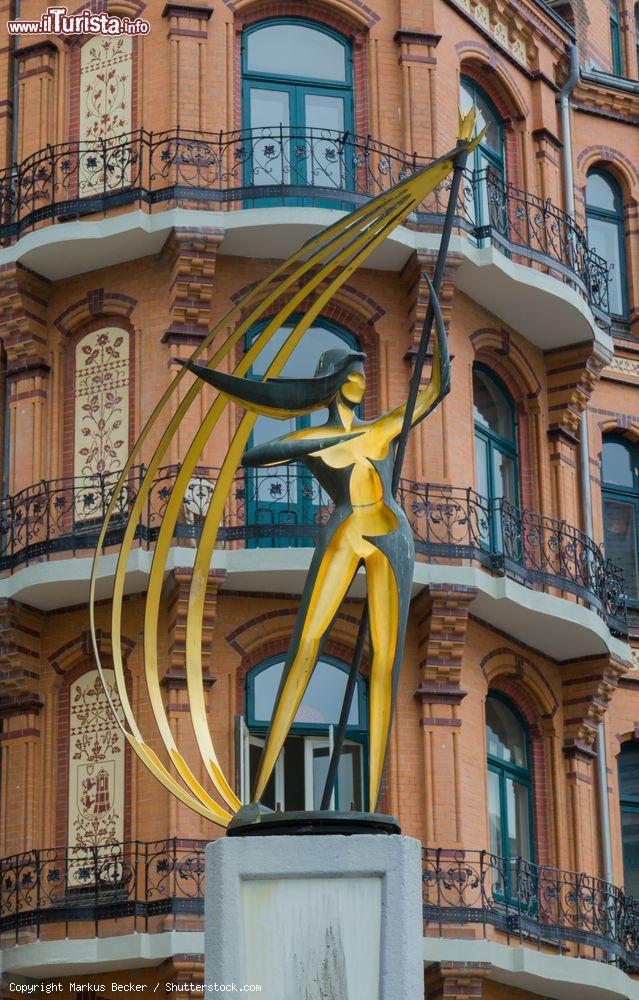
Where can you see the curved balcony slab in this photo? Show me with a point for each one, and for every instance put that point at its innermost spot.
(95, 955)
(558, 628)
(549, 312)
(541, 974)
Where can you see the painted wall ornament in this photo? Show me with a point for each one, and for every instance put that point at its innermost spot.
(357, 462)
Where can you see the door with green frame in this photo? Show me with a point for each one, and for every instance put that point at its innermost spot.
(509, 793)
(496, 458)
(297, 109)
(285, 504)
(300, 773)
(485, 203)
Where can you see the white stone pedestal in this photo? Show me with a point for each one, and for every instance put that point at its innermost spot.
(315, 917)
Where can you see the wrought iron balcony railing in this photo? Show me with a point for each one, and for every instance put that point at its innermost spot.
(285, 507)
(257, 167)
(156, 885)
(549, 908)
(152, 887)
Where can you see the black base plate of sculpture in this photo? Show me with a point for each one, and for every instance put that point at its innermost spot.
(258, 821)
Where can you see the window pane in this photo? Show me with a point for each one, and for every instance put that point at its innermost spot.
(324, 115)
(303, 361)
(494, 813)
(349, 778)
(518, 807)
(255, 754)
(492, 409)
(268, 109)
(602, 192)
(321, 757)
(322, 701)
(620, 540)
(630, 841)
(618, 464)
(504, 733)
(294, 773)
(487, 119)
(604, 238)
(295, 50)
(629, 772)
(504, 477)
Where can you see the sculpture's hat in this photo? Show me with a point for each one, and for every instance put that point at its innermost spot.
(286, 397)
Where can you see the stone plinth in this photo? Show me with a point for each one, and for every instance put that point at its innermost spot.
(315, 917)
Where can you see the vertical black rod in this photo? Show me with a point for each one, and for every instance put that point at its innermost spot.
(460, 163)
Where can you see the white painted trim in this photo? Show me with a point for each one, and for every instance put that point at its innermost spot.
(486, 274)
(558, 627)
(94, 955)
(525, 968)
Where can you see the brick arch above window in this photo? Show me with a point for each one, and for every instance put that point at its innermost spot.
(539, 703)
(618, 164)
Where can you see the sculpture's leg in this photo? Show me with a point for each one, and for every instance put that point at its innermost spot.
(386, 616)
(330, 583)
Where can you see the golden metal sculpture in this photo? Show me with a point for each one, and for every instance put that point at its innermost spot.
(321, 266)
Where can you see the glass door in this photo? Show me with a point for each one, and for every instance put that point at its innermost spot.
(297, 110)
(486, 204)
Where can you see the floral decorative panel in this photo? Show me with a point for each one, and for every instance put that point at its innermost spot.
(101, 393)
(96, 780)
(106, 74)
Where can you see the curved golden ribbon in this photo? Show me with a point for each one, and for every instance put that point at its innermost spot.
(333, 248)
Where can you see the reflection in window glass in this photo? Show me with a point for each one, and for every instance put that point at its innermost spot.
(628, 773)
(620, 503)
(287, 49)
(322, 699)
(618, 463)
(505, 735)
(492, 410)
(606, 234)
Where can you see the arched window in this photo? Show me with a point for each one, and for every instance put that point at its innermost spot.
(487, 159)
(509, 785)
(285, 497)
(620, 500)
(496, 460)
(605, 220)
(628, 772)
(298, 100)
(615, 38)
(300, 773)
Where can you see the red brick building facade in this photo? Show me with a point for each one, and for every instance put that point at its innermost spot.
(145, 184)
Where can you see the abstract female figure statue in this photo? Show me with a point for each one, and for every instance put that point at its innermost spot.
(353, 460)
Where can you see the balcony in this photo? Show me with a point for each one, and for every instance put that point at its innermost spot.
(223, 173)
(545, 908)
(283, 509)
(61, 897)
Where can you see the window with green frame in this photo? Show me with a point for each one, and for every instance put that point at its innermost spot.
(606, 233)
(620, 502)
(297, 100)
(628, 773)
(615, 38)
(300, 773)
(496, 458)
(510, 788)
(488, 157)
(287, 496)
